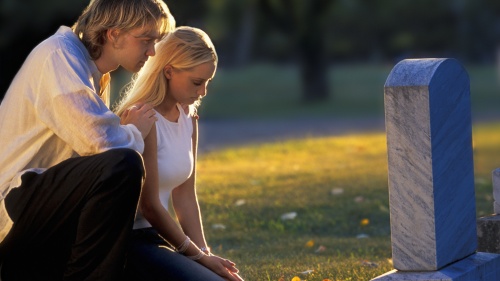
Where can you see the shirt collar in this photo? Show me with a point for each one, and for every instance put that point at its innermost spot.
(68, 33)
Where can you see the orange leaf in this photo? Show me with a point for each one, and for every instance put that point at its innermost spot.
(310, 244)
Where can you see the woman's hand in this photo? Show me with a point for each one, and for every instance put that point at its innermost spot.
(224, 268)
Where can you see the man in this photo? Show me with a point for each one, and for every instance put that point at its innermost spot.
(70, 171)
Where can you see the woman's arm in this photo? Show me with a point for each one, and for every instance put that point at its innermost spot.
(187, 209)
(185, 201)
(149, 203)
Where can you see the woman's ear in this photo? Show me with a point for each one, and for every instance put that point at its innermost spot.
(167, 71)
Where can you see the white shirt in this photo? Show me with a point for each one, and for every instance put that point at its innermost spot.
(175, 157)
(51, 112)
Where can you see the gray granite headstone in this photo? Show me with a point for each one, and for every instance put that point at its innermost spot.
(488, 234)
(431, 181)
(431, 174)
(488, 227)
(495, 178)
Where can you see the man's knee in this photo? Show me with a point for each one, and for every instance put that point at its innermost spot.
(123, 172)
(126, 161)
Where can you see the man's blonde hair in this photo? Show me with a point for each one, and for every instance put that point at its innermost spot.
(183, 48)
(101, 15)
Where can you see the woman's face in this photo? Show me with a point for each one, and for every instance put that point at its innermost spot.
(188, 86)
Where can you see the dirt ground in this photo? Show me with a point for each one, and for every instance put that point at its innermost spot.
(217, 134)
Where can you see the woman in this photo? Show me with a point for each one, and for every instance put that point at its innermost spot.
(174, 81)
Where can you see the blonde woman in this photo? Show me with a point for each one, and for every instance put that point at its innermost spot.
(174, 81)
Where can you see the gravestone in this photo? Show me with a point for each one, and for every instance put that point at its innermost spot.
(488, 227)
(495, 178)
(431, 174)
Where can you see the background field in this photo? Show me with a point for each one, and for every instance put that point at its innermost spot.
(263, 91)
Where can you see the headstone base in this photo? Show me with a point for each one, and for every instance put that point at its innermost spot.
(488, 234)
(477, 267)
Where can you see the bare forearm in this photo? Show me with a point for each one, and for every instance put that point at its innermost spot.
(188, 213)
(166, 226)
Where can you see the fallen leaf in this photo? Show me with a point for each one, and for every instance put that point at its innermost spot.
(310, 244)
(240, 202)
(320, 249)
(289, 216)
(218, 226)
(337, 191)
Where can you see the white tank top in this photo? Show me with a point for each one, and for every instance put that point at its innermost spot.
(175, 157)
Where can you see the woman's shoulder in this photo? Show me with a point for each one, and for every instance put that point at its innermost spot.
(186, 111)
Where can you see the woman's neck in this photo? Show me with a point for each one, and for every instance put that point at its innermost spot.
(168, 110)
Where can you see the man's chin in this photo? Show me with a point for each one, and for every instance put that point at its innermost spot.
(133, 69)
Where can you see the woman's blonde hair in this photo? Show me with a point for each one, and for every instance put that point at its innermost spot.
(184, 48)
(101, 15)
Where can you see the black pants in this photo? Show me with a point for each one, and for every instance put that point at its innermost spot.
(151, 258)
(73, 221)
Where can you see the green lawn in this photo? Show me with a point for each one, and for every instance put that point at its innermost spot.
(342, 236)
(337, 187)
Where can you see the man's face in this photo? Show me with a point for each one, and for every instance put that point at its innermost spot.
(134, 47)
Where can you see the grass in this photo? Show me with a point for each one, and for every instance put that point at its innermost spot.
(248, 189)
(244, 191)
(300, 175)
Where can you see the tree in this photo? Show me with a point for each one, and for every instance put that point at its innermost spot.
(304, 22)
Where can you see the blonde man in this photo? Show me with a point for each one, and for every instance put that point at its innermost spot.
(70, 169)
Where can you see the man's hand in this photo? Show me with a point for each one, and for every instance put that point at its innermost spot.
(141, 115)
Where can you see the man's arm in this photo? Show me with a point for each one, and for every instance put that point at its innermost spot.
(67, 104)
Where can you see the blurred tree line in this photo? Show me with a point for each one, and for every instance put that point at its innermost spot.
(312, 34)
